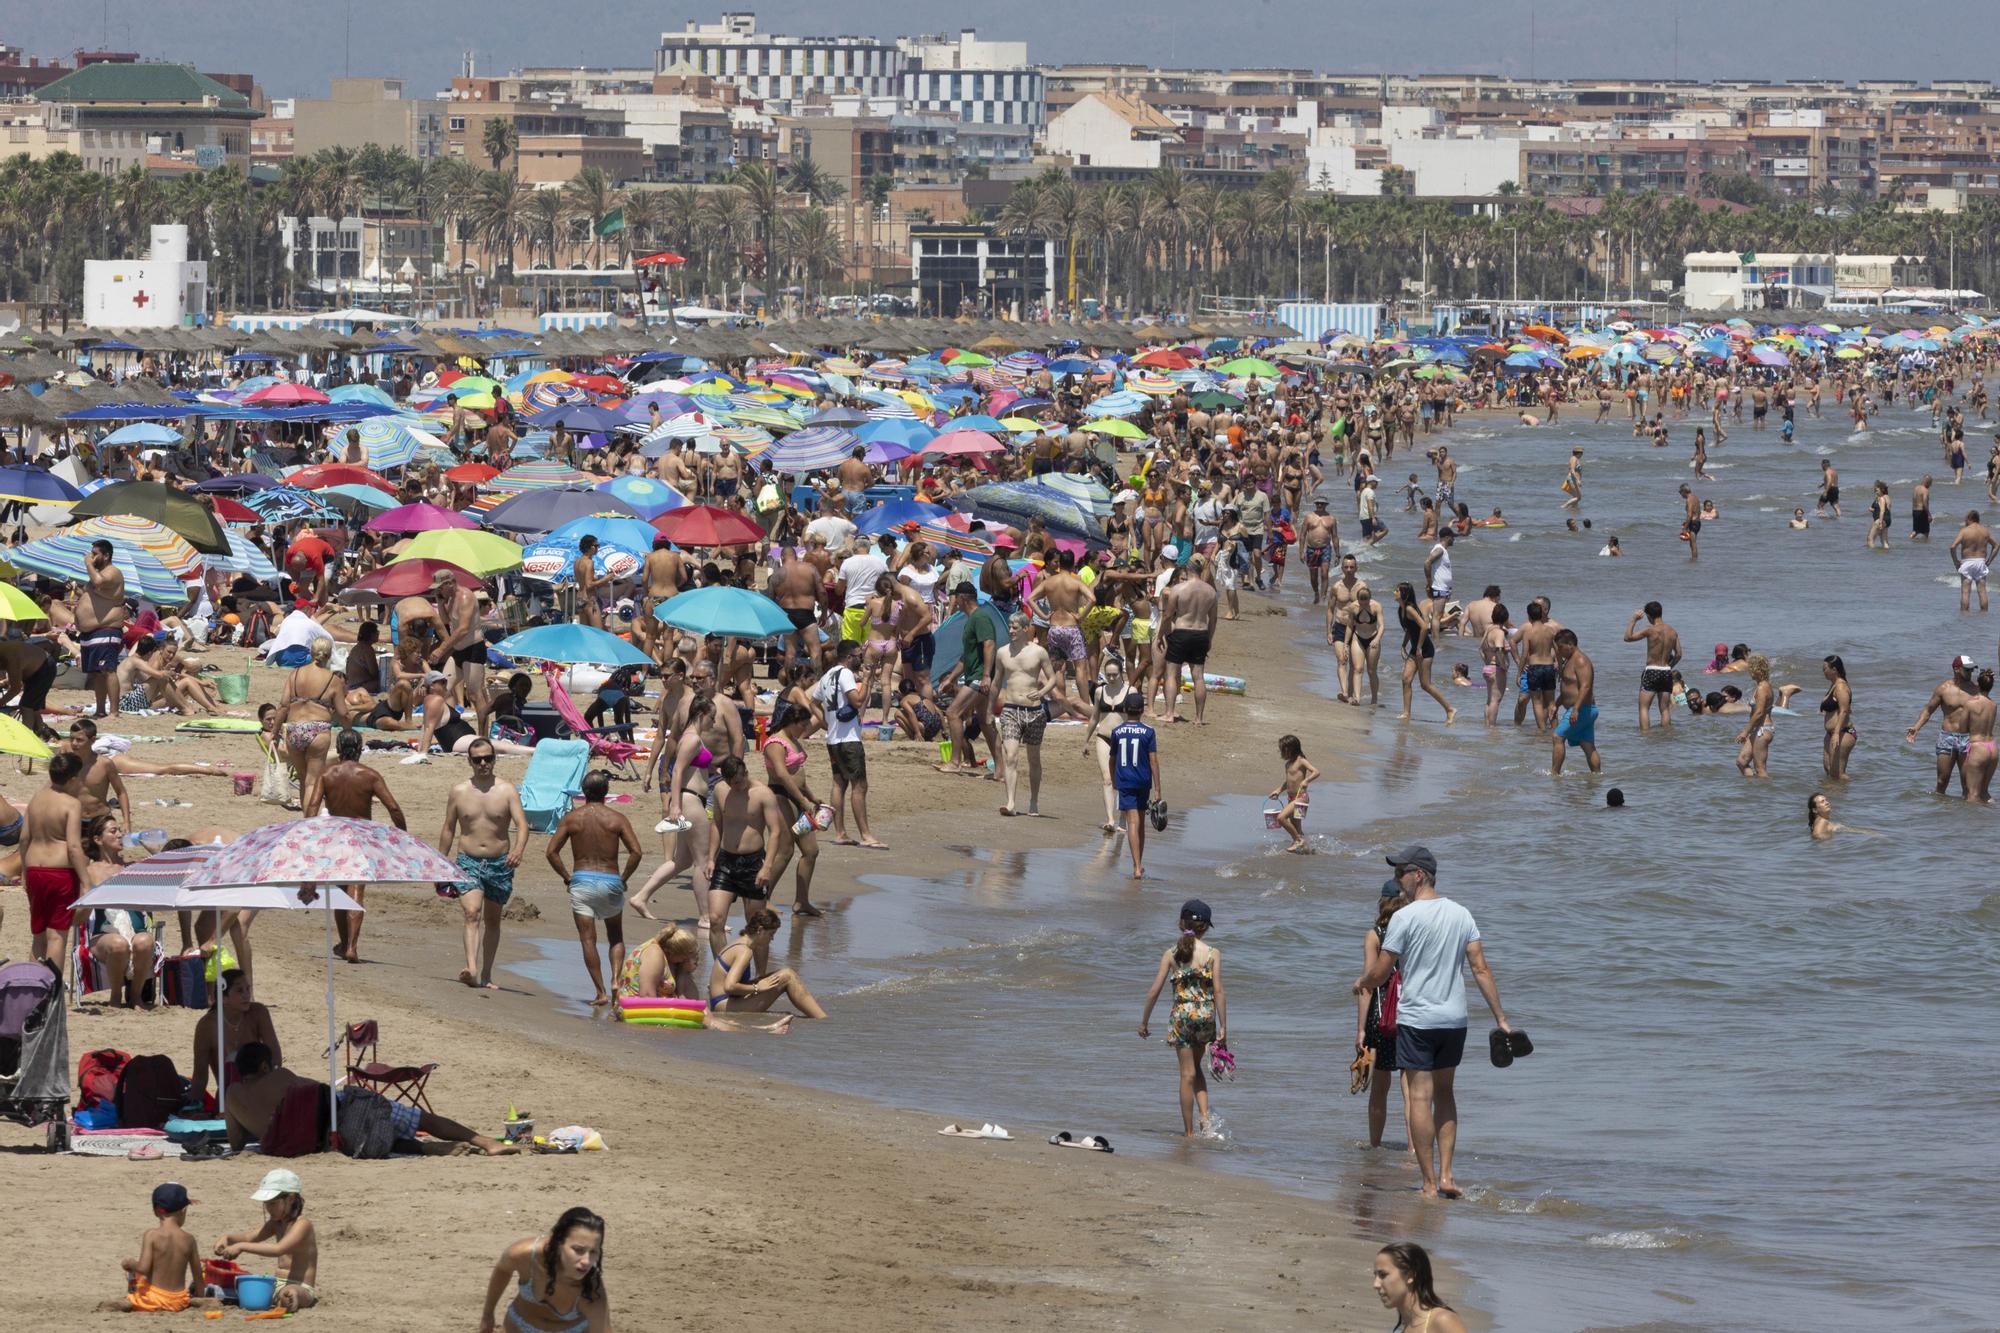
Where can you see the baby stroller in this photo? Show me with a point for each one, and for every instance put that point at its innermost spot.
(34, 1051)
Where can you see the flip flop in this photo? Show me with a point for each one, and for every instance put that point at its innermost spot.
(1499, 1049)
(145, 1152)
(1089, 1142)
(1518, 1043)
(994, 1132)
(960, 1132)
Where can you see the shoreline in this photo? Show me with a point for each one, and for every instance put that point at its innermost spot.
(819, 1185)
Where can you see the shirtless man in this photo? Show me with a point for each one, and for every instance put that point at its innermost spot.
(1949, 701)
(796, 589)
(1189, 610)
(1535, 650)
(1972, 550)
(1576, 716)
(673, 469)
(663, 575)
(1339, 609)
(589, 586)
(464, 645)
(52, 858)
(1027, 673)
(743, 856)
(101, 779)
(1663, 652)
(1319, 538)
(1829, 489)
(349, 788)
(1062, 598)
(855, 476)
(595, 833)
(27, 668)
(484, 819)
(1447, 473)
(259, 1087)
(1691, 523)
(101, 614)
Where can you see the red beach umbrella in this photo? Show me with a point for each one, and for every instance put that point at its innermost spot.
(706, 525)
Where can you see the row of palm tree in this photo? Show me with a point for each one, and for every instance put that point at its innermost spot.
(1157, 244)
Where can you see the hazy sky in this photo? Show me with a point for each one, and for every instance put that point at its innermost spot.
(294, 46)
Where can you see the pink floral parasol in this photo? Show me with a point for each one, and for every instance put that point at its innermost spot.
(326, 850)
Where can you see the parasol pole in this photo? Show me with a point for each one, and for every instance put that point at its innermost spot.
(332, 1087)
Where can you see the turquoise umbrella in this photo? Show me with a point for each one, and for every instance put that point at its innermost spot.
(574, 643)
(734, 612)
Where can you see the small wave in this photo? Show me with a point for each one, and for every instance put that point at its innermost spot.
(918, 981)
(1546, 1204)
(1516, 537)
(1665, 1238)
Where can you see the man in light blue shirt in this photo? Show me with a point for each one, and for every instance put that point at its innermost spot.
(1431, 939)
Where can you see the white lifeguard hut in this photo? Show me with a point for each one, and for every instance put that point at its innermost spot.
(162, 291)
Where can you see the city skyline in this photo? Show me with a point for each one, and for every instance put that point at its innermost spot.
(1849, 40)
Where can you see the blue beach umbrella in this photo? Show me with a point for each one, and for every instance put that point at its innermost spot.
(812, 449)
(35, 485)
(648, 497)
(142, 433)
(66, 555)
(735, 612)
(630, 533)
(544, 511)
(573, 643)
(893, 514)
(243, 558)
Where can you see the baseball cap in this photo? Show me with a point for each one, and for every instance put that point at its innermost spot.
(276, 1181)
(1418, 855)
(1390, 888)
(1319, 502)
(1198, 909)
(171, 1197)
(1964, 662)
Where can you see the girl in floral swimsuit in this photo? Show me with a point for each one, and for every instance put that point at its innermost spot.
(1200, 1015)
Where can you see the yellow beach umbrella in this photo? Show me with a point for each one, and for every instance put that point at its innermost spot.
(17, 739)
(17, 605)
(481, 553)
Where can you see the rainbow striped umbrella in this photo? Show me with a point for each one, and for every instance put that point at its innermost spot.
(66, 556)
(748, 440)
(541, 396)
(540, 475)
(390, 443)
(1148, 382)
(952, 534)
(161, 542)
(813, 448)
(764, 416)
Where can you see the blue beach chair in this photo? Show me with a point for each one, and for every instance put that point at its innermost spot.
(554, 779)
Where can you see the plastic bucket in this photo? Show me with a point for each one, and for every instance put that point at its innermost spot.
(244, 783)
(256, 1291)
(232, 687)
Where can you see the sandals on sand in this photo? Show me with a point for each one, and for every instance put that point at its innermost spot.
(987, 1131)
(1089, 1142)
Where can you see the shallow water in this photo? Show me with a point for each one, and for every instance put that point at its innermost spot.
(1758, 1058)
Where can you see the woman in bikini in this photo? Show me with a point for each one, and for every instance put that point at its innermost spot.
(1837, 711)
(1752, 759)
(559, 1280)
(1107, 712)
(1364, 628)
(1980, 755)
(1403, 1282)
(882, 654)
(784, 773)
(706, 738)
(741, 980)
(313, 700)
(1419, 647)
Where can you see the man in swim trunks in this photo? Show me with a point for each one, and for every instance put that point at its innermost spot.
(1663, 652)
(664, 573)
(101, 614)
(1576, 705)
(1829, 489)
(796, 590)
(484, 820)
(1920, 510)
(744, 853)
(1691, 523)
(465, 644)
(1950, 701)
(1027, 674)
(349, 789)
(27, 668)
(1190, 609)
(1340, 596)
(968, 712)
(1062, 599)
(596, 833)
(1535, 650)
(1319, 534)
(53, 863)
(101, 781)
(1972, 550)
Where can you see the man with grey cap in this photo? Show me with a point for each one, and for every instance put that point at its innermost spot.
(1431, 941)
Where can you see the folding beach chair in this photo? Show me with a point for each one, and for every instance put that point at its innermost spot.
(403, 1083)
(553, 780)
(604, 741)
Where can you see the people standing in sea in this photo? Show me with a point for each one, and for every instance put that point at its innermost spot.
(1431, 942)
(1200, 1016)
(1880, 515)
(483, 819)
(1829, 489)
(1295, 791)
(1920, 510)
(1419, 648)
(1535, 650)
(1837, 712)
(1576, 705)
(1950, 701)
(1663, 654)
(1497, 663)
(1340, 599)
(595, 834)
(1375, 1021)
(1137, 773)
(1972, 550)
(1753, 758)
(1691, 523)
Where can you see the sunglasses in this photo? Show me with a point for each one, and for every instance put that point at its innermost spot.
(482, 758)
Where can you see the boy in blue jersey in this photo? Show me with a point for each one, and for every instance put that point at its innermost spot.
(1136, 773)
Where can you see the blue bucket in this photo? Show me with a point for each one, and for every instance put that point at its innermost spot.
(256, 1291)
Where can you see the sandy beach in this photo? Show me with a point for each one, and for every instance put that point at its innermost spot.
(858, 1213)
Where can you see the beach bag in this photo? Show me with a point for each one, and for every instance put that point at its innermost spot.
(367, 1127)
(183, 983)
(150, 1090)
(768, 499)
(275, 787)
(1392, 994)
(232, 687)
(97, 1077)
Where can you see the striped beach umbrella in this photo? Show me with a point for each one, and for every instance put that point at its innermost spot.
(66, 556)
(750, 441)
(648, 496)
(161, 542)
(388, 442)
(952, 533)
(812, 449)
(540, 397)
(243, 558)
(764, 416)
(279, 503)
(540, 475)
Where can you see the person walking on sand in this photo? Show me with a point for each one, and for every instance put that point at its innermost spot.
(1576, 705)
(1972, 550)
(1200, 1015)
(484, 820)
(559, 1280)
(1295, 791)
(53, 862)
(1027, 675)
(1189, 611)
(595, 833)
(841, 698)
(1137, 773)
(349, 789)
(1663, 654)
(1431, 941)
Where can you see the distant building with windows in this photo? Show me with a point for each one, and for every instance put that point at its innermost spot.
(168, 110)
(782, 69)
(972, 268)
(980, 82)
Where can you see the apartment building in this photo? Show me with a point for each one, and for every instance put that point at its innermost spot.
(555, 141)
(781, 70)
(369, 111)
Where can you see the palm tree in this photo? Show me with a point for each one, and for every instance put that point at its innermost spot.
(758, 187)
(542, 220)
(499, 140)
(644, 210)
(814, 246)
(587, 198)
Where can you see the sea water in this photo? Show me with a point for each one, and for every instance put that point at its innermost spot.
(1765, 1068)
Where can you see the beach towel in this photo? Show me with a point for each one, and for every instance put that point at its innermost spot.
(230, 724)
(554, 778)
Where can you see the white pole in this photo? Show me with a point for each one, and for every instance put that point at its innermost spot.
(332, 1083)
(221, 1037)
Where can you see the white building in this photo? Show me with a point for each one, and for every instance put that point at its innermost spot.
(160, 292)
(982, 83)
(1720, 280)
(1112, 130)
(1444, 160)
(783, 69)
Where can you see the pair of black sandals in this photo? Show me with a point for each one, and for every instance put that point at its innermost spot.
(1507, 1047)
